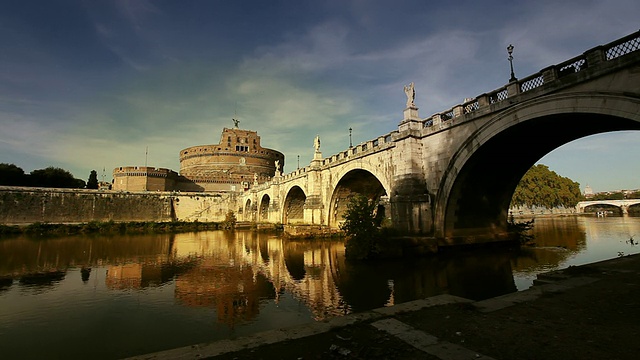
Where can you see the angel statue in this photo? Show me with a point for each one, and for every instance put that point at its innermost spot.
(277, 167)
(316, 143)
(410, 91)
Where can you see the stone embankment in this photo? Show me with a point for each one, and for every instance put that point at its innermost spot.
(585, 312)
(21, 205)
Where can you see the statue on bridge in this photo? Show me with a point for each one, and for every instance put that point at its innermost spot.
(278, 172)
(316, 143)
(410, 91)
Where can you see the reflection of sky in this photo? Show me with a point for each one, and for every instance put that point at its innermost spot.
(605, 239)
(142, 318)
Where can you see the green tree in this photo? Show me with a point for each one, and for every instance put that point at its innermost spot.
(54, 177)
(92, 183)
(12, 175)
(634, 195)
(230, 220)
(360, 227)
(543, 187)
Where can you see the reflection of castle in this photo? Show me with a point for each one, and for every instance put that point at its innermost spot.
(234, 164)
(237, 272)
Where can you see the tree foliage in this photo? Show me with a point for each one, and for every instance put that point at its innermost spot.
(230, 220)
(54, 177)
(92, 183)
(618, 195)
(360, 225)
(543, 187)
(11, 175)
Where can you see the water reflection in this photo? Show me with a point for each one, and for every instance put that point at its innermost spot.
(232, 272)
(213, 285)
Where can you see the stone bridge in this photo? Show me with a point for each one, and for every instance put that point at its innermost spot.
(452, 175)
(624, 205)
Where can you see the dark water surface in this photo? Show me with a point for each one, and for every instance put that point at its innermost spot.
(118, 296)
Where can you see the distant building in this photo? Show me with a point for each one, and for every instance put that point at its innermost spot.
(236, 163)
(588, 192)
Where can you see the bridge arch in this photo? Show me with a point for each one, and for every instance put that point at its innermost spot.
(478, 183)
(603, 206)
(293, 207)
(248, 211)
(263, 211)
(355, 181)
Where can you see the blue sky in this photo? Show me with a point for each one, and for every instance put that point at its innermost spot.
(91, 84)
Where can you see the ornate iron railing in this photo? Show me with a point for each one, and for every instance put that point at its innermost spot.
(532, 82)
(623, 46)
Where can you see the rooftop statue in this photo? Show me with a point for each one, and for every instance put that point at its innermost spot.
(316, 143)
(410, 91)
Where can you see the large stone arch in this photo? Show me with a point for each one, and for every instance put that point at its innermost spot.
(263, 210)
(633, 208)
(248, 211)
(365, 165)
(476, 188)
(356, 181)
(603, 206)
(293, 206)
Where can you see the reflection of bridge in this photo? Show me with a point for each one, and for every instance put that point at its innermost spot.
(624, 205)
(453, 174)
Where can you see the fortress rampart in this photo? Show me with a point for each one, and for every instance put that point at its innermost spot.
(26, 205)
(238, 162)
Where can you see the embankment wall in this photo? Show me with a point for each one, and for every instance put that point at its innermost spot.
(29, 205)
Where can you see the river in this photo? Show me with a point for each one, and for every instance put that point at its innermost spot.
(109, 297)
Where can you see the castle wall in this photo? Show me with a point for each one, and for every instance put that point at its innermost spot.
(20, 205)
(143, 178)
(238, 161)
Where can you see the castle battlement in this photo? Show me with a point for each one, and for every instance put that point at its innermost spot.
(236, 163)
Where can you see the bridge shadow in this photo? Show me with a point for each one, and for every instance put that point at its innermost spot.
(481, 193)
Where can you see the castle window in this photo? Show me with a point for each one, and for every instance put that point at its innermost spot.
(229, 138)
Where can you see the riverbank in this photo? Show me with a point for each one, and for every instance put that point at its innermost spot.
(108, 227)
(582, 312)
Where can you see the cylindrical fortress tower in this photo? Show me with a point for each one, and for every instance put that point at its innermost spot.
(236, 162)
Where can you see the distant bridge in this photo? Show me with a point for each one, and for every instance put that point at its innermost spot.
(624, 205)
(452, 175)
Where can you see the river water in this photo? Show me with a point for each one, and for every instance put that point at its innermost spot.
(117, 296)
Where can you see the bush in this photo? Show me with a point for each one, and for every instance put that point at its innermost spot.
(520, 231)
(230, 220)
(360, 227)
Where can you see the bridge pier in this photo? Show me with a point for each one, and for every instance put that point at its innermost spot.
(313, 210)
(411, 206)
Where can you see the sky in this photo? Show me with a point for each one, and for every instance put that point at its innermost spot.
(99, 84)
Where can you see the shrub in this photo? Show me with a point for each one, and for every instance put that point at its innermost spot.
(360, 227)
(229, 221)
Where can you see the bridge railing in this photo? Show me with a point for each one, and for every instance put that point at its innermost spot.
(590, 58)
(345, 155)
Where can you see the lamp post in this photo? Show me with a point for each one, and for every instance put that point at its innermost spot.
(350, 143)
(510, 51)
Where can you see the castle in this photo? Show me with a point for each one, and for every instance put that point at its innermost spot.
(236, 163)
